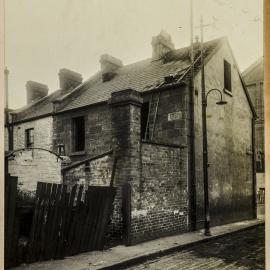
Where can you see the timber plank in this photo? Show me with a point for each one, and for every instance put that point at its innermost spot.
(45, 228)
(61, 217)
(51, 206)
(40, 222)
(69, 218)
(108, 208)
(75, 222)
(54, 230)
(98, 201)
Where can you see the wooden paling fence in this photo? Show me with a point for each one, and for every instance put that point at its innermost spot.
(65, 224)
(11, 222)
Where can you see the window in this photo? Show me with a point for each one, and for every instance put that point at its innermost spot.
(144, 118)
(261, 196)
(78, 133)
(260, 162)
(29, 137)
(227, 76)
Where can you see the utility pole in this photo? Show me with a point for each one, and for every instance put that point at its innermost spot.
(192, 174)
(205, 151)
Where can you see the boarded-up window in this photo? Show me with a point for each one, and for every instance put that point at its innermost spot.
(227, 76)
(29, 137)
(144, 118)
(78, 133)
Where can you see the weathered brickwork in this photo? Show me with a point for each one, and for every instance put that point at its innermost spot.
(43, 128)
(162, 208)
(96, 173)
(117, 125)
(98, 137)
(171, 125)
(32, 166)
(153, 174)
(229, 130)
(97, 131)
(126, 110)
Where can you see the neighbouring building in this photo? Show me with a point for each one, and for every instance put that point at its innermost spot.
(253, 77)
(148, 116)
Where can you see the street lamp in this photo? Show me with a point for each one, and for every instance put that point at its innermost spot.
(205, 157)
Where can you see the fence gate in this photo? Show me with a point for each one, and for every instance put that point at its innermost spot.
(65, 223)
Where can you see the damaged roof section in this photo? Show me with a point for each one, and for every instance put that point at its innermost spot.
(169, 68)
(142, 76)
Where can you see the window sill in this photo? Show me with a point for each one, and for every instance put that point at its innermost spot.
(78, 153)
(227, 92)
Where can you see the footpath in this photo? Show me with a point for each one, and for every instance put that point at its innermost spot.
(121, 256)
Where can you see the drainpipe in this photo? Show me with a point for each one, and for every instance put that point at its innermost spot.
(9, 127)
(254, 185)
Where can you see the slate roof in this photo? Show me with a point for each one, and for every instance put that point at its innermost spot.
(41, 107)
(254, 72)
(141, 76)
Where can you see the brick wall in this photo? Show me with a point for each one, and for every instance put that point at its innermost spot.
(96, 173)
(97, 131)
(162, 207)
(171, 124)
(98, 139)
(117, 125)
(229, 130)
(35, 165)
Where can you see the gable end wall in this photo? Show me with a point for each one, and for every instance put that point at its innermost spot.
(229, 131)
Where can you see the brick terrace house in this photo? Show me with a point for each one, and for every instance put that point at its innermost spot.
(253, 77)
(143, 112)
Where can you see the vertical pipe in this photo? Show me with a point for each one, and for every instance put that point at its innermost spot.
(254, 186)
(205, 150)
(8, 125)
(6, 96)
(192, 174)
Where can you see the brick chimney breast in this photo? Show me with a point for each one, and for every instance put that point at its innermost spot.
(35, 91)
(69, 79)
(161, 44)
(109, 66)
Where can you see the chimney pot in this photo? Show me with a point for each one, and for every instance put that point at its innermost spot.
(35, 91)
(69, 79)
(109, 66)
(161, 45)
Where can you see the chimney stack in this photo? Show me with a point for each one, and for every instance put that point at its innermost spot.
(35, 91)
(109, 66)
(161, 45)
(69, 79)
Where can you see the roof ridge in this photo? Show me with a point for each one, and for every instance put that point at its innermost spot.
(137, 75)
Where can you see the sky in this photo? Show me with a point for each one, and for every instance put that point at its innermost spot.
(42, 37)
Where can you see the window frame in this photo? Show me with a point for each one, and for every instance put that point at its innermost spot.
(227, 77)
(29, 137)
(75, 134)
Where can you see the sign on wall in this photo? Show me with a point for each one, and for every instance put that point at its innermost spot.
(174, 116)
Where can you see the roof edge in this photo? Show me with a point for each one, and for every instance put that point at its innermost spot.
(243, 83)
